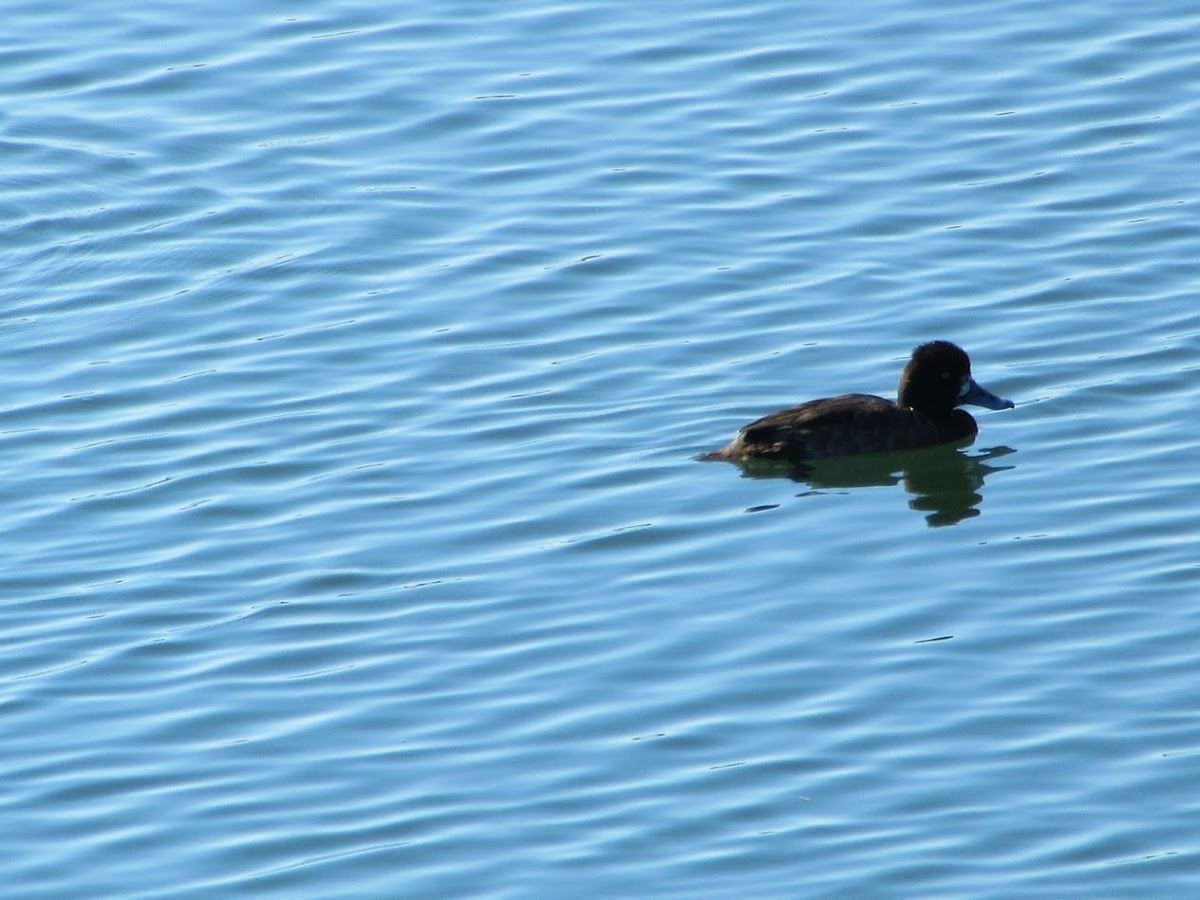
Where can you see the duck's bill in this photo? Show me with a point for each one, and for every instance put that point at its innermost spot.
(975, 395)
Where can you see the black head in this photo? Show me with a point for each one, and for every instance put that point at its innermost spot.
(938, 378)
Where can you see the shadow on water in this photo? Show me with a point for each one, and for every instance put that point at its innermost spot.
(943, 482)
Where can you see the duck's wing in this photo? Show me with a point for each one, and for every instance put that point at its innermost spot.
(848, 410)
(833, 426)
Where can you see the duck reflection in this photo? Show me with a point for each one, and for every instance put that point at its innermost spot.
(943, 482)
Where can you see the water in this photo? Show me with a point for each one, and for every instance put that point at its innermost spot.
(356, 358)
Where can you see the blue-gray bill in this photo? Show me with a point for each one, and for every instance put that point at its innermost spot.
(976, 395)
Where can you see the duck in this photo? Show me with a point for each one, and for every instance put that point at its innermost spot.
(935, 381)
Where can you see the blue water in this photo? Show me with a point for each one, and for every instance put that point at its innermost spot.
(355, 360)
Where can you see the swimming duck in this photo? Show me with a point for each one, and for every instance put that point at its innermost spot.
(936, 380)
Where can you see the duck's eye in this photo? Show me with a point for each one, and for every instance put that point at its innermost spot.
(945, 376)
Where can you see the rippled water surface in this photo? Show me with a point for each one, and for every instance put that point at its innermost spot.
(356, 357)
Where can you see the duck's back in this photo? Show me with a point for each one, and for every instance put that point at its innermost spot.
(841, 426)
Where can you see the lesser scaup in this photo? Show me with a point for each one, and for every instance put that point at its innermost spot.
(935, 381)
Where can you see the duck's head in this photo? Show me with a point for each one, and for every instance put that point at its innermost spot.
(938, 378)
